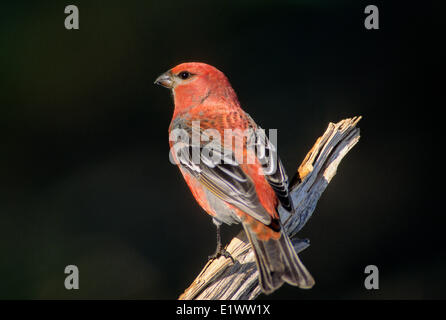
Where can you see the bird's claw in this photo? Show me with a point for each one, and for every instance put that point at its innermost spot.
(220, 253)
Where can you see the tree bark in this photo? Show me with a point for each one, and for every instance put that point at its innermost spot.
(221, 278)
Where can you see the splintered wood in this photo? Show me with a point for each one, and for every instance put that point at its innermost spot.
(221, 279)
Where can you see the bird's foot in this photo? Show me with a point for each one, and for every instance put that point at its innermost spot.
(221, 252)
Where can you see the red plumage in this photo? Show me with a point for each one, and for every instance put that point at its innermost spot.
(240, 192)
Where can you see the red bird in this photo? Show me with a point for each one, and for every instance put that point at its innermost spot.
(231, 190)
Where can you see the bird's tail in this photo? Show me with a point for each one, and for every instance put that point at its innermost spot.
(277, 262)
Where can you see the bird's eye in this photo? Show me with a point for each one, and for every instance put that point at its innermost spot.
(184, 75)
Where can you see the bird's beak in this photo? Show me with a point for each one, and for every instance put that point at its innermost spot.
(165, 80)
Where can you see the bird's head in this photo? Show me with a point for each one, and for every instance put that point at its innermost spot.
(192, 82)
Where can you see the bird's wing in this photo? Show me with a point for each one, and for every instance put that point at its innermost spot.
(217, 169)
(279, 182)
(272, 167)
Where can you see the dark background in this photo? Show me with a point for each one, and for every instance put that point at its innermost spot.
(84, 171)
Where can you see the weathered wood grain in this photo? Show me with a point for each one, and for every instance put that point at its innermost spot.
(221, 278)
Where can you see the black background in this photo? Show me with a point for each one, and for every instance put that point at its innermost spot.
(84, 171)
